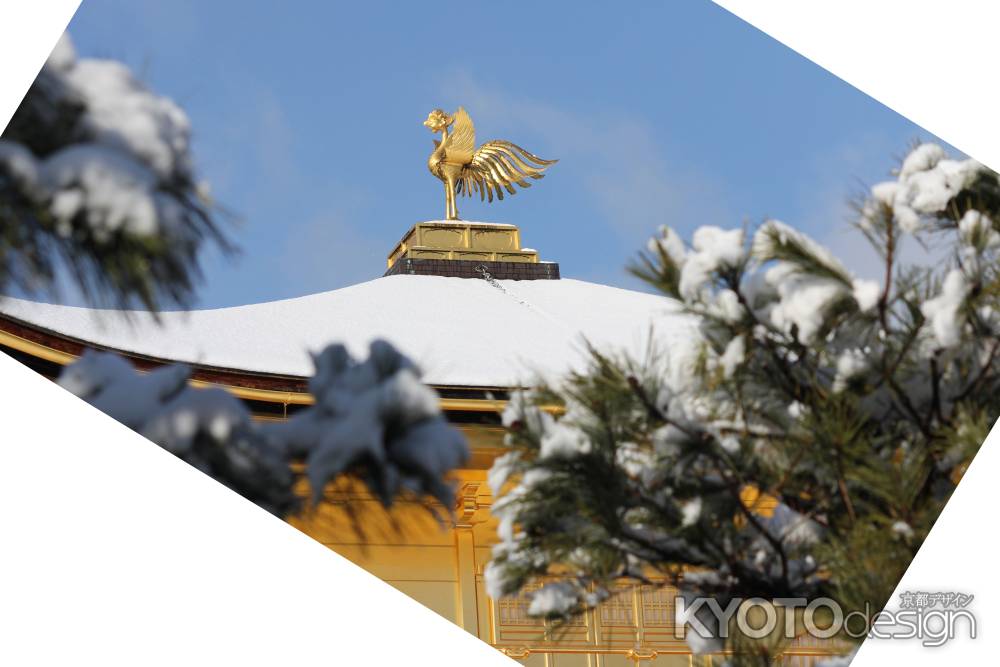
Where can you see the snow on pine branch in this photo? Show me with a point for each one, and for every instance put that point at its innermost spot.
(849, 406)
(374, 418)
(96, 171)
(208, 428)
(927, 182)
(124, 142)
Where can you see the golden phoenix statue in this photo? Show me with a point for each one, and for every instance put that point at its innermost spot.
(488, 170)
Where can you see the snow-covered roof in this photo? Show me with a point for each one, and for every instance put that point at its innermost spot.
(463, 332)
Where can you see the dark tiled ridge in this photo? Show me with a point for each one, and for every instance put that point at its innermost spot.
(462, 268)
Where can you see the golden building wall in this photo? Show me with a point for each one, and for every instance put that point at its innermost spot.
(441, 565)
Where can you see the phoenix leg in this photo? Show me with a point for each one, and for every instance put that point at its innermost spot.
(452, 210)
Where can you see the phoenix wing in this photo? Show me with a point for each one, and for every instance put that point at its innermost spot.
(461, 143)
(496, 166)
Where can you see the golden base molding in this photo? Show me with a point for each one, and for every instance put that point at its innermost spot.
(458, 240)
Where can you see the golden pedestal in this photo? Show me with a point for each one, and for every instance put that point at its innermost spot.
(459, 240)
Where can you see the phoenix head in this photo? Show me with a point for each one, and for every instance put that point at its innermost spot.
(438, 120)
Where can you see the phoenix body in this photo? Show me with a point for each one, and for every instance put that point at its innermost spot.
(489, 170)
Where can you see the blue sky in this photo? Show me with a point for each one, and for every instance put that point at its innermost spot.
(307, 123)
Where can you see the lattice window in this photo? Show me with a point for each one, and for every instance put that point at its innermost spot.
(806, 640)
(514, 610)
(806, 650)
(619, 609)
(657, 606)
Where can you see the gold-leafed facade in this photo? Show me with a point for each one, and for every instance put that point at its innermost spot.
(442, 566)
(472, 241)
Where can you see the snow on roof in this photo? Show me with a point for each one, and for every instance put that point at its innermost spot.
(462, 332)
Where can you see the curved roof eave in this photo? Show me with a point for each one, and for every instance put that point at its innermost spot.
(463, 332)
